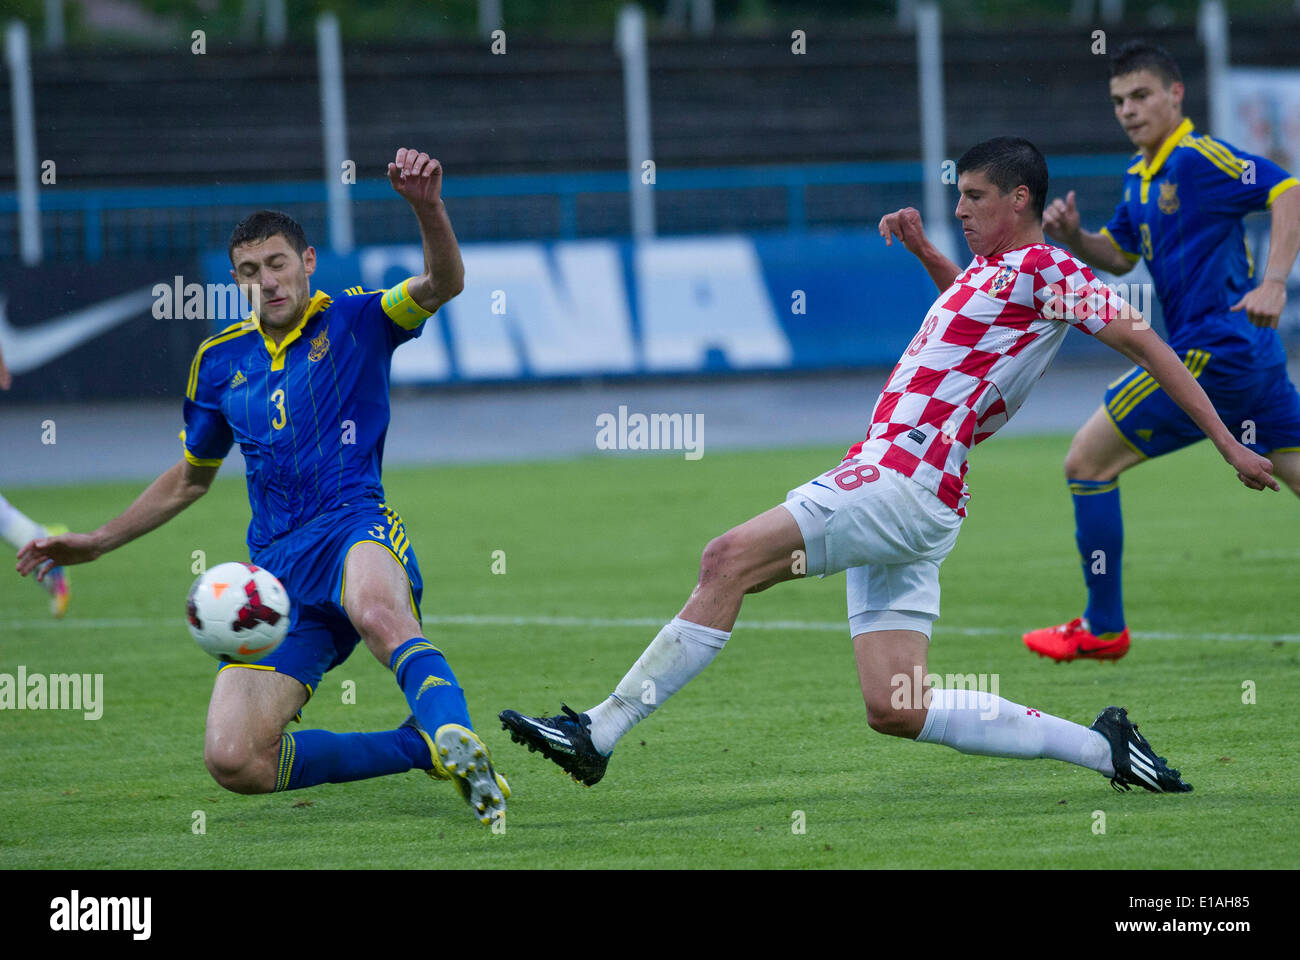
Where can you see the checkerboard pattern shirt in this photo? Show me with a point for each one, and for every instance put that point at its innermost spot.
(985, 342)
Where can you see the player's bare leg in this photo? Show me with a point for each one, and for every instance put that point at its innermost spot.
(900, 703)
(759, 553)
(248, 748)
(1096, 458)
(1098, 452)
(762, 551)
(883, 657)
(1286, 467)
(247, 714)
(377, 598)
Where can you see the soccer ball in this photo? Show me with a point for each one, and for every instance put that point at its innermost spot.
(238, 612)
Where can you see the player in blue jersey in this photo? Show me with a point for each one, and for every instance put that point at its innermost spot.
(1184, 199)
(302, 387)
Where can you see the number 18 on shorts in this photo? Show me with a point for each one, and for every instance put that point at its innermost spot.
(887, 530)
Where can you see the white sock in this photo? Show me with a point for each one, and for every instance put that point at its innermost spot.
(15, 527)
(677, 655)
(970, 721)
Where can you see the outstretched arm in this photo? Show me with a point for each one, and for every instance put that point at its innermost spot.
(906, 225)
(1142, 345)
(417, 178)
(1264, 304)
(167, 496)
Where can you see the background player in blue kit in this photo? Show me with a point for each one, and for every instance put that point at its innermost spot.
(302, 387)
(1184, 199)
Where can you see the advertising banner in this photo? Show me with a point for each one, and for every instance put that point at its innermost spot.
(672, 306)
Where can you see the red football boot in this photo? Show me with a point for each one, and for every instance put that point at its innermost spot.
(1072, 641)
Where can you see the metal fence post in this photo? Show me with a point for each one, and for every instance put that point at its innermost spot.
(54, 25)
(18, 56)
(490, 17)
(629, 37)
(929, 67)
(277, 23)
(1212, 25)
(329, 55)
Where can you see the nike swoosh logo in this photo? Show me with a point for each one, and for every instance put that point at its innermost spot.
(246, 650)
(33, 347)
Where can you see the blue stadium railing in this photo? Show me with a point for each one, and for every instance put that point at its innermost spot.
(74, 221)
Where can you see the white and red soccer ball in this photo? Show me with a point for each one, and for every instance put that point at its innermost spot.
(238, 612)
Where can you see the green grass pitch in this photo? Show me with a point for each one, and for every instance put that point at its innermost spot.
(598, 552)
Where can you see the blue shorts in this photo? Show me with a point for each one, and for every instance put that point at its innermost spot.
(1261, 408)
(309, 561)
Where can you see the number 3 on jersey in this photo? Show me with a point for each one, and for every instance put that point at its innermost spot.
(395, 534)
(918, 342)
(281, 417)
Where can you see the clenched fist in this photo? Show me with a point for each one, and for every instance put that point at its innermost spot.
(416, 177)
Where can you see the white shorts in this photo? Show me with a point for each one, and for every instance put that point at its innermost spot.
(887, 531)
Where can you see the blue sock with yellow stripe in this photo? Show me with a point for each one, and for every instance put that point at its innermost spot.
(310, 757)
(430, 687)
(1099, 533)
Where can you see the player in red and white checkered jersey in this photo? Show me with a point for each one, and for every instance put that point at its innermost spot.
(889, 513)
(984, 343)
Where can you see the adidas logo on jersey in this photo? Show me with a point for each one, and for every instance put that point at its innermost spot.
(238, 380)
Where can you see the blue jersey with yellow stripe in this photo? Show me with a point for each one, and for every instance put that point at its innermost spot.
(310, 415)
(1182, 214)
